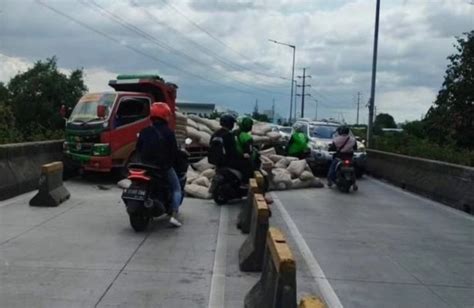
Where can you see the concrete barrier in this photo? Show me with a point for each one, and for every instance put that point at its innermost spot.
(245, 214)
(277, 284)
(51, 189)
(260, 181)
(20, 165)
(311, 302)
(444, 182)
(252, 250)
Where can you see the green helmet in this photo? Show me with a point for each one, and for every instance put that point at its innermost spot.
(246, 124)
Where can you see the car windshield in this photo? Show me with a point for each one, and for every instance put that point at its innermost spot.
(322, 131)
(86, 108)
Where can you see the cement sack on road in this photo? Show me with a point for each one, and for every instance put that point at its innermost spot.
(297, 183)
(191, 175)
(296, 168)
(260, 139)
(202, 181)
(268, 152)
(275, 157)
(280, 179)
(282, 163)
(197, 191)
(261, 129)
(193, 133)
(193, 124)
(306, 176)
(204, 128)
(209, 173)
(267, 163)
(202, 165)
(274, 136)
(204, 138)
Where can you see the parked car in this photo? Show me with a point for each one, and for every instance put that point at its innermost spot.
(320, 134)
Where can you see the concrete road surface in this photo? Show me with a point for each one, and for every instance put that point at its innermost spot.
(380, 247)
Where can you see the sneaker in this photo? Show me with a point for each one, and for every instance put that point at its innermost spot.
(175, 223)
(329, 183)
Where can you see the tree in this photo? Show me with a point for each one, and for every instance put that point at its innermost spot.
(451, 118)
(36, 96)
(383, 120)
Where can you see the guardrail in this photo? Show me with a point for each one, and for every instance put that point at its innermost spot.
(444, 182)
(20, 165)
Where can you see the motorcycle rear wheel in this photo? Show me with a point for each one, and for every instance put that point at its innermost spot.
(139, 222)
(219, 197)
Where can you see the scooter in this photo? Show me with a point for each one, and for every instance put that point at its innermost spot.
(227, 185)
(345, 175)
(149, 196)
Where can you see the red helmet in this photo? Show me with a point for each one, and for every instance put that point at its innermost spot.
(160, 111)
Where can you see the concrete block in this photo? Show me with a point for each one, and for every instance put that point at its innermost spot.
(277, 284)
(311, 302)
(51, 190)
(252, 250)
(260, 181)
(245, 215)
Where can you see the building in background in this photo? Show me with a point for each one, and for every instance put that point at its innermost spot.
(201, 109)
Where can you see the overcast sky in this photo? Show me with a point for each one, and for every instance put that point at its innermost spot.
(218, 51)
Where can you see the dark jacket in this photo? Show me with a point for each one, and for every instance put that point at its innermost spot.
(157, 145)
(229, 144)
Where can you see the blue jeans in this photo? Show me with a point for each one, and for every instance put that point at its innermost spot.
(332, 170)
(175, 189)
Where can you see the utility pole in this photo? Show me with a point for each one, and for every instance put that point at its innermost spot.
(358, 105)
(303, 86)
(374, 73)
(316, 110)
(255, 109)
(273, 110)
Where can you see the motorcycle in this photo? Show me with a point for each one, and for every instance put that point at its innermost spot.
(345, 175)
(227, 185)
(148, 195)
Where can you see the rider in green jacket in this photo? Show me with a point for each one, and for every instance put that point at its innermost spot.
(244, 145)
(298, 144)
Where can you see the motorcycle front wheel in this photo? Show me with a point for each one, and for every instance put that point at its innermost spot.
(219, 196)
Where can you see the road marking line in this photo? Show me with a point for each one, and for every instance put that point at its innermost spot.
(217, 292)
(327, 292)
(421, 198)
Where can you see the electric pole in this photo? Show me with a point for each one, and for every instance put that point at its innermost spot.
(303, 86)
(358, 104)
(273, 110)
(374, 73)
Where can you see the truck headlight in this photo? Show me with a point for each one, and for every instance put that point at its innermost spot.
(101, 149)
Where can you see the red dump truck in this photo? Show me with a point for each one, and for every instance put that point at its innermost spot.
(102, 130)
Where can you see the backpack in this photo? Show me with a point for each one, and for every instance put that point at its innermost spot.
(216, 154)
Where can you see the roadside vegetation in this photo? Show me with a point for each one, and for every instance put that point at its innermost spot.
(30, 102)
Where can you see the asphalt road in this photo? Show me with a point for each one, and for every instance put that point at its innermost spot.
(380, 247)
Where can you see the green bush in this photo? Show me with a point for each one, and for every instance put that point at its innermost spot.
(406, 144)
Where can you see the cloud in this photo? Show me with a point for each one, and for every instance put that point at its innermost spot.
(333, 39)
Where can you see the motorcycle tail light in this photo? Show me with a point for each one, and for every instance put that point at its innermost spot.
(136, 174)
(347, 162)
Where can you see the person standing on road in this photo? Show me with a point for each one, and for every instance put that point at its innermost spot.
(344, 145)
(157, 146)
(298, 143)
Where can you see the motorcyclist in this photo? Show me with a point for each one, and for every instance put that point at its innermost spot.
(157, 146)
(222, 148)
(244, 142)
(344, 145)
(298, 143)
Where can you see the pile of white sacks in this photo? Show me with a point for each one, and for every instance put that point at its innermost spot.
(200, 130)
(283, 173)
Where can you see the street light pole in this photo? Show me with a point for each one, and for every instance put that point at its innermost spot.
(374, 73)
(292, 74)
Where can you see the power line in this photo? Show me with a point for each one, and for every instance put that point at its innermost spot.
(167, 3)
(124, 23)
(111, 38)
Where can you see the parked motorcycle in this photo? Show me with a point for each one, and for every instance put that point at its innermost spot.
(149, 195)
(345, 175)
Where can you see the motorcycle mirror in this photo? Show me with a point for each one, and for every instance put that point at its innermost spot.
(188, 141)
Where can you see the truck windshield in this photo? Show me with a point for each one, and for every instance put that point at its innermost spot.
(86, 108)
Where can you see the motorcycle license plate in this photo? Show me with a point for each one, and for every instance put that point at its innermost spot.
(134, 194)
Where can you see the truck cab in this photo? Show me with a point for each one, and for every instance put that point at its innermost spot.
(102, 130)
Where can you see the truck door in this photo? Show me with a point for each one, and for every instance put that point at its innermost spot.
(131, 116)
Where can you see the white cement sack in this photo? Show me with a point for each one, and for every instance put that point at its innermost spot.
(193, 133)
(212, 124)
(296, 168)
(204, 128)
(261, 129)
(282, 163)
(191, 175)
(260, 139)
(180, 116)
(281, 178)
(267, 163)
(268, 152)
(202, 181)
(204, 138)
(202, 165)
(315, 182)
(275, 157)
(192, 123)
(209, 173)
(124, 184)
(306, 176)
(274, 136)
(197, 191)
